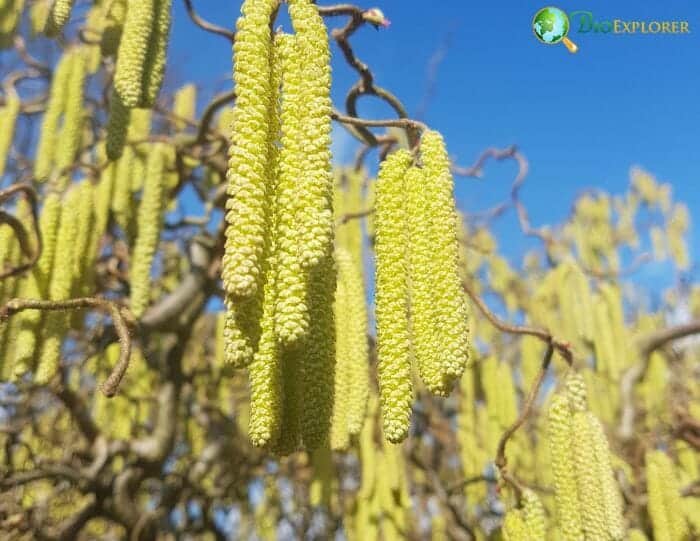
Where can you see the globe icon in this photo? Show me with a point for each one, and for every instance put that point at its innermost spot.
(551, 25)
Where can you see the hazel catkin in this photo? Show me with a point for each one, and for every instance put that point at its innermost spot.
(149, 224)
(248, 190)
(154, 62)
(8, 118)
(391, 297)
(58, 16)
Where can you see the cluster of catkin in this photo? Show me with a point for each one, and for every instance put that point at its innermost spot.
(526, 523)
(278, 267)
(588, 500)
(421, 308)
(140, 65)
(664, 502)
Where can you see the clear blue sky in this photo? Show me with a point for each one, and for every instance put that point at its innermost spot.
(582, 120)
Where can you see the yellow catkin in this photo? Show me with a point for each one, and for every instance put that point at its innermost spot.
(563, 468)
(636, 535)
(70, 138)
(588, 482)
(122, 202)
(318, 366)
(664, 499)
(86, 219)
(351, 373)
(149, 222)
(155, 60)
(133, 48)
(316, 220)
(450, 308)
(8, 118)
(514, 528)
(114, 18)
(247, 206)
(56, 323)
(117, 126)
(576, 392)
(58, 16)
(391, 297)
(265, 372)
(10, 16)
(138, 132)
(291, 314)
(612, 499)
(48, 135)
(184, 106)
(534, 515)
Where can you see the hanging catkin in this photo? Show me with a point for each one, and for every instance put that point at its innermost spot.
(11, 15)
(291, 314)
(534, 515)
(351, 372)
(249, 194)
(149, 223)
(58, 16)
(318, 366)
(133, 48)
(563, 469)
(8, 119)
(514, 528)
(58, 95)
(154, 68)
(450, 308)
(664, 499)
(56, 323)
(184, 105)
(70, 138)
(391, 298)
(316, 220)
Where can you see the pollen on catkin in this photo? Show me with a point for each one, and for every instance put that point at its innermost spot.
(149, 222)
(58, 95)
(58, 16)
(560, 436)
(514, 528)
(133, 48)
(8, 118)
(664, 499)
(316, 220)
(155, 60)
(249, 153)
(291, 312)
(450, 308)
(534, 515)
(391, 297)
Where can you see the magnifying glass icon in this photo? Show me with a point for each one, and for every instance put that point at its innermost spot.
(551, 26)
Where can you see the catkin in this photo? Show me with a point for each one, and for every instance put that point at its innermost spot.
(10, 16)
(133, 48)
(450, 308)
(664, 499)
(534, 515)
(318, 367)
(291, 313)
(351, 373)
(149, 223)
(117, 126)
(154, 63)
(391, 297)
(249, 153)
(184, 104)
(514, 528)
(58, 96)
(316, 219)
(612, 499)
(86, 218)
(8, 119)
(588, 482)
(70, 138)
(58, 16)
(56, 323)
(563, 468)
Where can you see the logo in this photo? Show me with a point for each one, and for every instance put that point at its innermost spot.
(551, 26)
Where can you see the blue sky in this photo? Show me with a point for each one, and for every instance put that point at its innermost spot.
(582, 120)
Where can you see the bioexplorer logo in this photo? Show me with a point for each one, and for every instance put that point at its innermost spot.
(551, 25)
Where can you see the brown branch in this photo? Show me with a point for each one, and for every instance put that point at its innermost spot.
(19, 229)
(563, 348)
(405, 123)
(120, 316)
(501, 459)
(206, 25)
